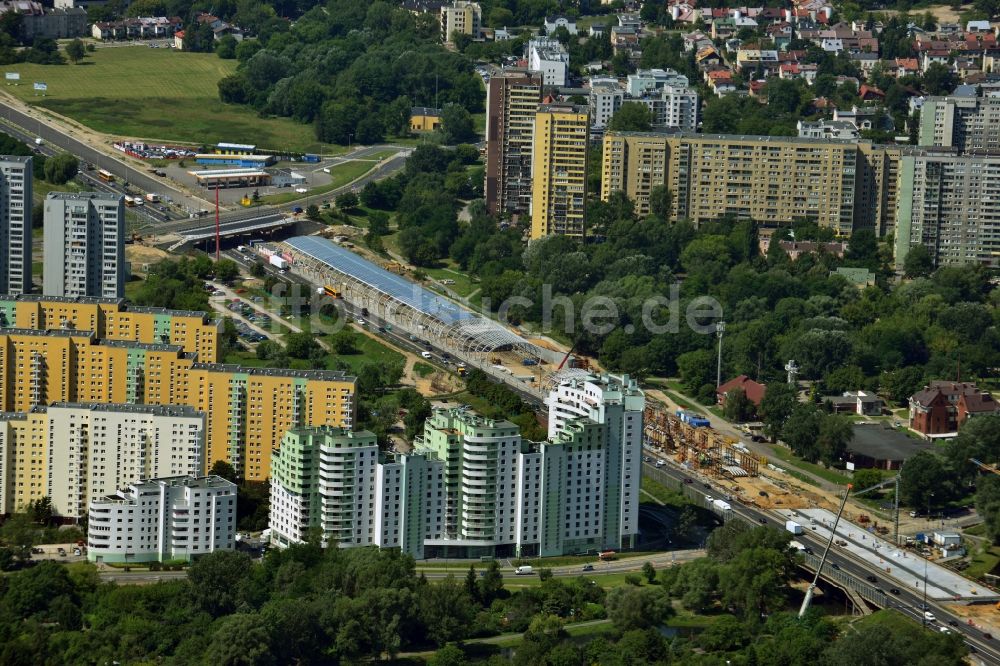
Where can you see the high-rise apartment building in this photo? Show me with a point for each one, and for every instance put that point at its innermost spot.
(950, 204)
(460, 18)
(75, 453)
(472, 487)
(967, 123)
(247, 410)
(84, 245)
(112, 319)
(15, 224)
(559, 188)
(177, 518)
(773, 180)
(512, 99)
(337, 482)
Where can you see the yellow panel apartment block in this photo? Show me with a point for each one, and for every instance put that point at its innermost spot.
(841, 184)
(113, 319)
(247, 410)
(559, 161)
(24, 446)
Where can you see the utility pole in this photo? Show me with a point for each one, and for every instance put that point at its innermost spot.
(720, 328)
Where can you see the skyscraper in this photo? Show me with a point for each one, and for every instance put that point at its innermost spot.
(84, 245)
(15, 225)
(559, 188)
(512, 98)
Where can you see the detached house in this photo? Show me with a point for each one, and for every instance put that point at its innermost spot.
(941, 408)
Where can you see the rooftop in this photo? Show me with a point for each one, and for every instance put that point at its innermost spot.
(881, 442)
(742, 137)
(84, 196)
(330, 375)
(155, 410)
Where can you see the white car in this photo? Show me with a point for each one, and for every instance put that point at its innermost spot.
(361, 322)
(301, 190)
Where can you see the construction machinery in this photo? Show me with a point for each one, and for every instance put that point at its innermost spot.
(983, 466)
(895, 504)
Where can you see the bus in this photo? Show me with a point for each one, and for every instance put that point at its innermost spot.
(331, 292)
(106, 176)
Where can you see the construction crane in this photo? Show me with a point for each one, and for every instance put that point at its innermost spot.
(895, 504)
(826, 551)
(983, 465)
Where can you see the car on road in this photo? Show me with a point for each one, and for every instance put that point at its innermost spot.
(929, 616)
(646, 459)
(588, 567)
(62, 552)
(660, 463)
(762, 521)
(871, 579)
(893, 590)
(835, 566)
(988, 636)
(688, 481)
(953, 623)
(360, 321)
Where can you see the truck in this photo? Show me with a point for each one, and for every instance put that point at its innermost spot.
(793, 527)
(152, 197)
(797, 546)
(278, 261)
(722, 505)
(524, 570)
(39, 141)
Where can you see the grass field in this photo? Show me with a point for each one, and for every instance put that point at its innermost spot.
(463, 283)
(157, 94)
(369, 351)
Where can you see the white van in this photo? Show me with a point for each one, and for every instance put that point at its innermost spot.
(426, 354)
(929, 616)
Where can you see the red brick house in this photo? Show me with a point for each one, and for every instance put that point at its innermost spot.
(754, 391)
(942, 407)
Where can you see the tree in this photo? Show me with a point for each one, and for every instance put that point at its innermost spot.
(225, 470)
(631, 117)
(75, 51)
(918, 262)
(776, 406)
(347, 201)
(216, 579)
(449, 655)
(923, 481)
(456, 125)
(302, 346)
(226, 270)
(865, 478)
(649, 571)
(225, 47)
(40, 511)
(61, 169)
(312, 212)
(632, 607)
(661, 201)
(738, 406)
(344, 343)
(491, 584)
(939, 79)
(241, 640)
(988, 504)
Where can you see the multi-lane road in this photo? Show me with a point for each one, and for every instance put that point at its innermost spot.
(841, 563)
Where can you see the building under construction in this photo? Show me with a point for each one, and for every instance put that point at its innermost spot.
(698, 447)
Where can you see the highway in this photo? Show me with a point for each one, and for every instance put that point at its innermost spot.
(906, 601)
(61, 139)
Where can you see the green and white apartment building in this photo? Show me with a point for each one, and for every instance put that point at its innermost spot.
(472, 486)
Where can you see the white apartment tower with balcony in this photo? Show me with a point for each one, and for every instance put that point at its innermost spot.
(177, 518)
(84, 245)
(15, 224)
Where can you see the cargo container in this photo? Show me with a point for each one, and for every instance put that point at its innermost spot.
(278, 261)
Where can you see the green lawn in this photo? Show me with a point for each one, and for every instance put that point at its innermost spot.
(463, 283)
(340, 175)
(423, 369)
(984, 560)
(369, 351)
(157, 94)
(666, 495)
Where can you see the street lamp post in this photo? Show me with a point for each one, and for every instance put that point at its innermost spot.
(720, 328)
